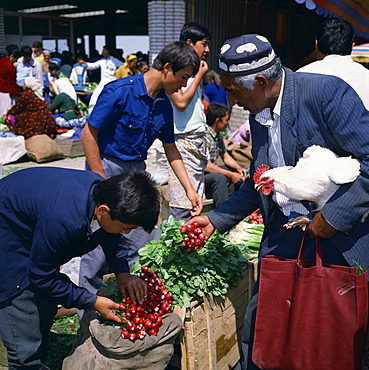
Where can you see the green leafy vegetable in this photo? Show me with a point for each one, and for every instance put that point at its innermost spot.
(189, 274)
(247, 234)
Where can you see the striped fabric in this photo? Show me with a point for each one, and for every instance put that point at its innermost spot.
(355, 12)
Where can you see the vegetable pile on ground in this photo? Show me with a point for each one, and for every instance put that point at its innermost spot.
(145, 318)
(248, 232)
(255, 218)
(186, 275)
(91, 86)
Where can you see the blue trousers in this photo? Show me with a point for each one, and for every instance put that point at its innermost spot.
(26, 320)
(93, 264)
(219, 187)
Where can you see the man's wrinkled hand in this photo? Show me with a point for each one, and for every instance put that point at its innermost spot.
(132, 286)
(320, 228)
(204, 222)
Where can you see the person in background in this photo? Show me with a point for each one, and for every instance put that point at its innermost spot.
(129, 115)
(289, 112)
(28, 67)
(64, 105)
(333, 45)
(44, 60)
(220, 181)
(142, 66)
(190, 124)
(36, 49)
(128, 68)
(67, 62)
(214, 90)
(107, 64)
(118, 53)
(32, 114)
(41, 229)
(9, 89)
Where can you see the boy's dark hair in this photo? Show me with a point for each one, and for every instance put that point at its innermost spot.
(53, 67)
(335, 36)
(131, 197)
(195, 32)
(13, 50)
(179, 54)
(215, 110)
(26, 51)
(37, 44)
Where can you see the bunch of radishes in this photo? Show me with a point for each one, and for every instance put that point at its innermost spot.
(146, 318)
(256, 218)
(195, 238)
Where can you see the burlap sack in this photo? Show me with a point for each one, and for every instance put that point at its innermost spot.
(240, 153)
(100, 347)
(41, 148)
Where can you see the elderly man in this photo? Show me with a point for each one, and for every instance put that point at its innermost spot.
(289, 113)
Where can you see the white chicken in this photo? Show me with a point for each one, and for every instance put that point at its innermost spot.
(315, 178)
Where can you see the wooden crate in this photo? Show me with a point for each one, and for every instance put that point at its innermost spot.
(211, 338)
(69, 147)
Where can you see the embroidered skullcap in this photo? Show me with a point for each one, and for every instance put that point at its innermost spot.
(246, 55)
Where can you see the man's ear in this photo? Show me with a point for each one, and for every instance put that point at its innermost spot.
(262, 81)
(103, 209)
(189, 41)
(168, 67)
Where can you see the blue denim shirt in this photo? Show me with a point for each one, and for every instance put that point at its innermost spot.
(129, 119)
(45, 217)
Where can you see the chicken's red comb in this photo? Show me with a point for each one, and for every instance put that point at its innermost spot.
(259, 171)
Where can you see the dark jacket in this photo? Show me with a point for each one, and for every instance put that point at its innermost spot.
(45, 217)
(316, 110)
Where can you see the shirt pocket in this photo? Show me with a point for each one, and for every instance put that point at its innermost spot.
(131, 132)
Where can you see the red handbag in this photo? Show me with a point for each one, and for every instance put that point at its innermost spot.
(310, 315)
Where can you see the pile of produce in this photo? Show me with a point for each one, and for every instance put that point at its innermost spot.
(195, 238)
(91, 86)
(192, 273)
(248, 232)
(145, 318)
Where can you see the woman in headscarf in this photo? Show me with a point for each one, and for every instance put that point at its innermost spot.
(128, 68)
(31, 113)
(64, 106)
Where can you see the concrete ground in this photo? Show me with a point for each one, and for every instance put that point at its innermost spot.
(77, 163)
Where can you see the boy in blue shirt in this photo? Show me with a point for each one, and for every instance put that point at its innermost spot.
(43, 225)
(129, 115)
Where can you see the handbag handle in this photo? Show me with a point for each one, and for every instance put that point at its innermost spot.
(318, 252)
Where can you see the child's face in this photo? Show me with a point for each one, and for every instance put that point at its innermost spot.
(221, 123)
(111, 226)
(175, 81)
(202, 48)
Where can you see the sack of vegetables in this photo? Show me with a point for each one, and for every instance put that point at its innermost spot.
(103, 345)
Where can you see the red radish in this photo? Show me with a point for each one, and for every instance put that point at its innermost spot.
(125, 334)
(183, 229)
(147, 317)
(132, 336)
(153, 331)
